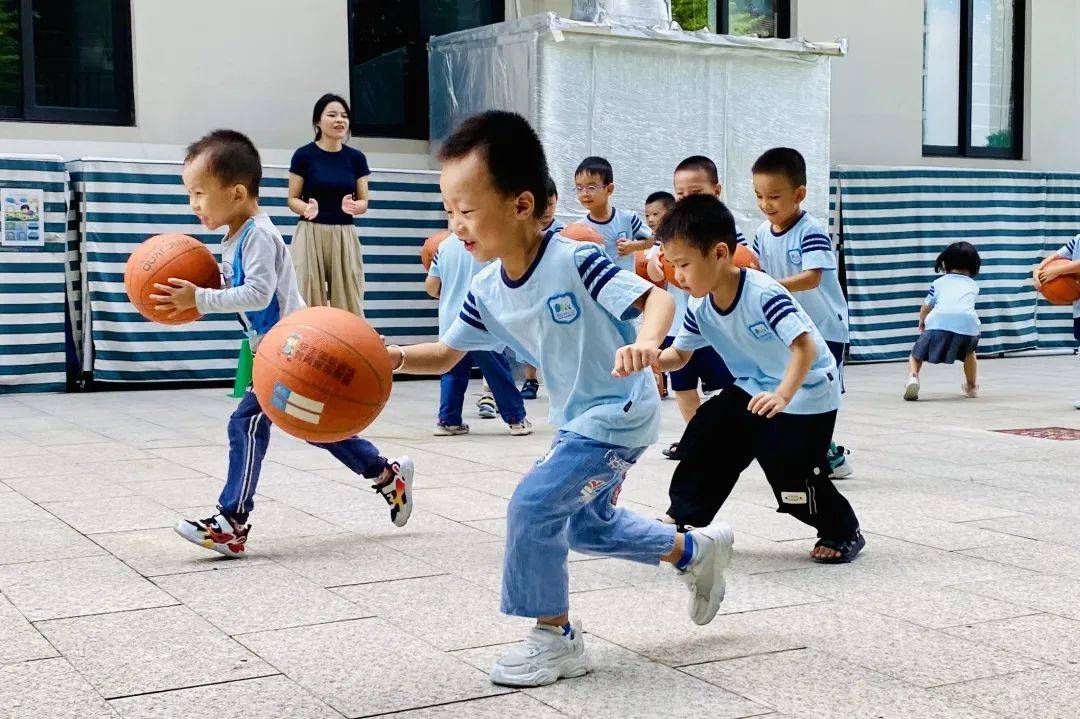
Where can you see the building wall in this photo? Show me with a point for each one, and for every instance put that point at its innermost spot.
(256, 65)
(877, 88)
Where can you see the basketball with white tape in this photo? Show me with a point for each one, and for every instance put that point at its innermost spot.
(322, 374)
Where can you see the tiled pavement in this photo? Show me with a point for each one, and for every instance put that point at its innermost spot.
(966, 602)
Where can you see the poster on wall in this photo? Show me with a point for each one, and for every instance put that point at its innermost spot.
(22, 222)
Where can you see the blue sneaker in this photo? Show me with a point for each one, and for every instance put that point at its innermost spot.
(530, 389)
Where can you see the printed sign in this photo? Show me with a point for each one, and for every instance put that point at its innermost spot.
(22, 217)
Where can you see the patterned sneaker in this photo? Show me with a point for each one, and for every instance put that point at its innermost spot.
(450, 430)
(546, 655)
(218, 533)
(395, 486)
(486, 408)
(520, 429)
(838, 463)
(529, 389)
(705, 575)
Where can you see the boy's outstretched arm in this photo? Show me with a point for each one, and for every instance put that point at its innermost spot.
(805, 280)
(803, 354)
(425, 358)
(657, 310)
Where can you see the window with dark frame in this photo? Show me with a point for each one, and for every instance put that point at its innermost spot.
(973, 78)
(756, 18)
(388, 71)
(66, 62)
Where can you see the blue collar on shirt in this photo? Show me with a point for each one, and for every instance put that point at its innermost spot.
(734, 302)
(601, 222)
(528, 273)
(781, 234)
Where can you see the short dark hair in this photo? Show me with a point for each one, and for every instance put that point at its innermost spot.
(662, 196)
(782, 161)
(596, 166)
(320, 107)
(550, 188)
(700, 162)
(959, 256)
(231, 157)
(510, 149)
(701, 221)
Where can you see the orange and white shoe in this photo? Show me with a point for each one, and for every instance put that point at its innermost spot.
(217, 533)
(395, 486)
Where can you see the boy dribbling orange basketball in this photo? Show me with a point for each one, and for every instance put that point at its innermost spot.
(222, 172)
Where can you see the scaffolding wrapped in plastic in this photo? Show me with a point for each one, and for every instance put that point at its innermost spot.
(644, 98)
(633, 12)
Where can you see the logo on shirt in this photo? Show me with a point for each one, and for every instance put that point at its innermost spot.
(564, 308)
(760, 330)
(794, 257)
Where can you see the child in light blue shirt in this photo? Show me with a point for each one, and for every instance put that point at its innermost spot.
(451, 272)
(624, 232)
(948, 323)
(1071, 252)
(565, 307)
(782, 406)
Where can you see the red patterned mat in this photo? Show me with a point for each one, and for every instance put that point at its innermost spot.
(1058, 433)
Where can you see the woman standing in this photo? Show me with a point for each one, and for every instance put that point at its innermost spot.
(328, 187)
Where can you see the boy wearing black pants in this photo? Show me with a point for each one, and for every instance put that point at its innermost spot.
(782, 406)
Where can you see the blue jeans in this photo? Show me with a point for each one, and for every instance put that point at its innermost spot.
(249, 436)
(568, 501)
(496, 370)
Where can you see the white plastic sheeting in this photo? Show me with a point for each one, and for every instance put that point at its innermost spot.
(647, 12)
(644, 98)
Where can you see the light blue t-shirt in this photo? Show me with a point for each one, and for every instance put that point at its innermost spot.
(806, 246)
(568, 314)
(455, 267)
(953, 298)
(1071, 251)
(622, 225)
(754, 336)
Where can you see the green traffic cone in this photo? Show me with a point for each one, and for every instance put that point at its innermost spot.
(243, 371)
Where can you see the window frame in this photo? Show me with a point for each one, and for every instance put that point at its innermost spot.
(783, 18)
(31, 111)
(964, 147)
(417, 123)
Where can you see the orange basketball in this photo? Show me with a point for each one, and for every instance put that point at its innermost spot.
(162, 257)
(581, 232)
(322, 374)
(431, 246)
(641, 269)
(1063, 289)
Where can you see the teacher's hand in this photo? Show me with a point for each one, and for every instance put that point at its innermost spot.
(353, 207)
(312, 210)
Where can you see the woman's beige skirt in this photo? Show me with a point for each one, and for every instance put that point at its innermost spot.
(329, 266)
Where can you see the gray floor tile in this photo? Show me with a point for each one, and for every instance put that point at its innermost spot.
(421, 676)
(116, 514)
(35, 541)
(1046, 694)
(153, 552)
(150, 650)
(1045, 637)
(49, 688)
(342, 559)
(497, 707)
(274, 598)
(65, 487)
(76, 587)
(19, 640)
(266, 698)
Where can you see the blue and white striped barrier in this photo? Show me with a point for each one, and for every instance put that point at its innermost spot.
(32, 284)
(122, 202)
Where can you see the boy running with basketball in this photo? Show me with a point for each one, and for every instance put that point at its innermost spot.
(222, 172)
(564, 307)
(781, 408)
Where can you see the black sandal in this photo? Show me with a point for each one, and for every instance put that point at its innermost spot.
(671, 452)
(848, 549)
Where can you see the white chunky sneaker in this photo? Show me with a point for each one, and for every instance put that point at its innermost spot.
(395, 486)
(705, 575)
(545, 656)
(911, 390)
(522, 428)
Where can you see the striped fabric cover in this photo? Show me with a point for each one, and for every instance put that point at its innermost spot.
(894, 223)
(124, 202)
(32, 297)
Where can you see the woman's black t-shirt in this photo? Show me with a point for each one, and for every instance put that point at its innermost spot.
(328, 177)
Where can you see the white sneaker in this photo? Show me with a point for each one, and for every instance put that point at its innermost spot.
(545, 656)
(705, 575)
(1076, 404)
(217, 533)
(970, 390)
(450, 430)
(520, 429)
(911, 391)
(395, 486)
